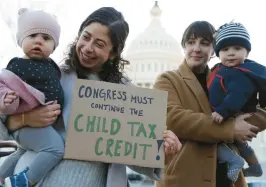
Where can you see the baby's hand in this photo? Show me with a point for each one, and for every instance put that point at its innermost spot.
(10, 98)
(217, 117)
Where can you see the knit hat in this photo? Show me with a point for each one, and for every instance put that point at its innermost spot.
(232, 34)
(34, 22)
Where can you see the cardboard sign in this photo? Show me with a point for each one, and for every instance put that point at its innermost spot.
(116, 123)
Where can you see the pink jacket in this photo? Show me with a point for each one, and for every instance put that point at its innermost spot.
(29, 97)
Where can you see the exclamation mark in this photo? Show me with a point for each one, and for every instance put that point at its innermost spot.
(159, 142)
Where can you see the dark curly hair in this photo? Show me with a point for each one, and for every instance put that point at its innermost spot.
(112, 71)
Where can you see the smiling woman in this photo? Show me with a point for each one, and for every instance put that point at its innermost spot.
(99, 46)
(94, 55)
(93, 47)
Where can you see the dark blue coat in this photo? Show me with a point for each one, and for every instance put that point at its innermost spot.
(236, 89)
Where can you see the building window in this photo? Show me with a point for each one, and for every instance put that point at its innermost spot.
(142, 67)
(169, 67)
(155, 67)
(147, 85)
(162, 67)
(149, 67)
(136, 68)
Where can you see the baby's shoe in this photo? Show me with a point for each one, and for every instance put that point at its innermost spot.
(18, 180)
(253, 170)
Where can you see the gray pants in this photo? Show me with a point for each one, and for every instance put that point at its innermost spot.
(49, 146)
(225, 154)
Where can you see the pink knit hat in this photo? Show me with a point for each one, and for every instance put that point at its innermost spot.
(37, 21)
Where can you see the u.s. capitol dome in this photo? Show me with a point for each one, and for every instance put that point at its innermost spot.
(152, 52)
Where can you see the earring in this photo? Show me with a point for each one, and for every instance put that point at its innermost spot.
(110, 62)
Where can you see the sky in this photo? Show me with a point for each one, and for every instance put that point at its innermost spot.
(176, 16)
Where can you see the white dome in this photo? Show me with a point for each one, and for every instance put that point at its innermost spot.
(155, 39)
(152, 52)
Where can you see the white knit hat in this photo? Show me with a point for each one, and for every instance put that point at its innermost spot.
(34, 22)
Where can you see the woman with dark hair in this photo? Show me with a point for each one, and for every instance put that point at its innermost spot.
(110, 67)
(94, 55)
(189, 117)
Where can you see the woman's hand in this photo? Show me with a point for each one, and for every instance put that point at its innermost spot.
(42, 116)
(39, 117)
(171, 142)
(244, 131)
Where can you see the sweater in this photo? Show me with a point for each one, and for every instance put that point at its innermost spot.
(36, 82)
(43, 75)
(79, 173)
(235, 89)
